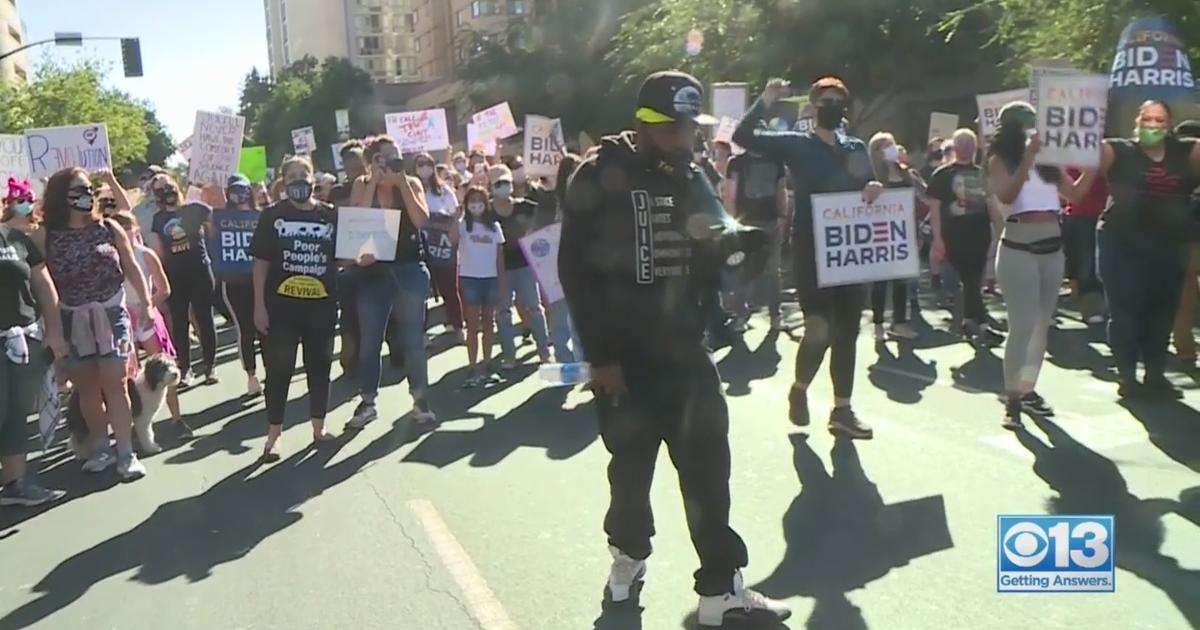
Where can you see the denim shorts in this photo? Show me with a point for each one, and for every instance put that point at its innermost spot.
(481, 292)
(117, 322)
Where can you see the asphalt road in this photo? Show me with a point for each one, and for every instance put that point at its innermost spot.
(493, 521)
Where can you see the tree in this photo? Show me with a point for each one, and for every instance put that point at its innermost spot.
(159, 148)
(307, 93)
(72, 95)
(1082, 32)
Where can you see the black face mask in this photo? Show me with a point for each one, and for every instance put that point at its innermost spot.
(166, 197)
(237, 196)
(108, 205)
(830, 116)
(300, 191)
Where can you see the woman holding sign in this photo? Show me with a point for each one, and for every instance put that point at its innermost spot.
(234, 225)
(1142, 240)
(295, 297)
(1029, 264)
(440, 252)
(392, 289)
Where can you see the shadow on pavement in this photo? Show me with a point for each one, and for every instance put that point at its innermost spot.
(983, 373)
(539, 422)
(903, 376)
(190, 537)
(1174, 427)
(743, 366)
(841, 536)
(1070, 349)
(1089, 483)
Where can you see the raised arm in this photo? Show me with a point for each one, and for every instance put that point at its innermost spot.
(751, 135)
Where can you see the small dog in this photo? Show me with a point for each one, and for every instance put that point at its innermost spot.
(146, 395)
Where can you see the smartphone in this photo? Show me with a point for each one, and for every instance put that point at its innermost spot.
(395, 165)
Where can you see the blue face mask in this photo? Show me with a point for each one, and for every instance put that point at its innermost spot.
(503, 191)
(22, 208)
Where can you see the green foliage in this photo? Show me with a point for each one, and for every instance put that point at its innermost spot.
(1081, 32)
(307, 93)
(61, 95)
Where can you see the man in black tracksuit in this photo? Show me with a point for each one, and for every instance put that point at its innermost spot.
(641, 228)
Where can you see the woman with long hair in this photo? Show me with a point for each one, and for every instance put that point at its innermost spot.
(885, 162)
(1029, 264)
(90, 259)
(480, 241)
(295, 297)
(1142, 240)
(393, 289)
(180, 238)
(443, 223)
(239, 216)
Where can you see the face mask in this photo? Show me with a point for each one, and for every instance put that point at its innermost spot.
(1151, 136)
(476, 208)
(300, 191)
(964, 151)
(460, 166)
(519, 175)
(891, 153)
(424, 171)
(830, 116)
(108, 205)
(22, 208)
(166, 197)
(237, 196)
(503, 191)
(83, 203)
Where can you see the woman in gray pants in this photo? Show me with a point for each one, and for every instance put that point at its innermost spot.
(1029, 264)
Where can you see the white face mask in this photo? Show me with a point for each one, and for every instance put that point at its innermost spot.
(891, 153)
(424, 171)
(461, 167)
(476, 208)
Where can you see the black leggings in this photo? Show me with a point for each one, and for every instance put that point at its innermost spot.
(286, 333)
(879, 292)
(192, 291)
(831, 319)
(239, 299)
(967, 241)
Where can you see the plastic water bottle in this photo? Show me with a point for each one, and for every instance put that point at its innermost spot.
(560, 374)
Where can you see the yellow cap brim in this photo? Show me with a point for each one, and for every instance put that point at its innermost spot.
(652, 117)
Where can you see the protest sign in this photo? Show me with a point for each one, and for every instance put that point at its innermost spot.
(55, 148)
(857, 243)
(185, 148)
(234, 230)
(990, 106)
(541, 250)
(1071, 111)
(343, 121)
(216, 148)
(496, 122)
(1151, 62)
(942, 125)
(543, 146)
(336, 147)
(476, 141)
(14, 158)
(725, 130)
(729, 100)
(304, 140)
(195, 194)
(253, 163)
(362, 231)
(1046, 68)
(417, 131)
(440, 251)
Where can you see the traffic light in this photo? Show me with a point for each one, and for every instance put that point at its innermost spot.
(131, 56)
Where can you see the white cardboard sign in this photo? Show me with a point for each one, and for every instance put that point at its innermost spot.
(55, 148)
(362, 231)
(543, 146)
(216, 148)
(541, 250)
(417, 131)
(857, 243)
(1071, 111)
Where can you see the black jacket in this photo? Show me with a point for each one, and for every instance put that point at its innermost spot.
(641, 244)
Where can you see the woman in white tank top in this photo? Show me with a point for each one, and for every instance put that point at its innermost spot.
(1029, 262)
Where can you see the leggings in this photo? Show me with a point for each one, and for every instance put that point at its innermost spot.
(831, 319)
(445, 280)
(239, 299)
(1030, 283)
(967, 241)
(192, 291)
(879, 292)
(288, 331)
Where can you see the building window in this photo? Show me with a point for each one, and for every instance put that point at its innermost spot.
(368, 45)
(406, 66)
(460, 18)
(516, 7)
(482, 7)
(410, 22)
(417, 45)
(15, 34)
(21, 75)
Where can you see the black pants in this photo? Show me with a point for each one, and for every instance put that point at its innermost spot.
(288, 330)
(679, 403)
(192, 292)
(239, 299)
(967, 241)
(831, 320)
(879, 292)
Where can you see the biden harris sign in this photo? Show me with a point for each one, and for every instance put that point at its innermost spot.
(858, 243)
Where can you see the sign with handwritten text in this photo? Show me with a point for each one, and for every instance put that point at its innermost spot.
(423, 130)
(496, 122)
(216, 148)
(55, 148)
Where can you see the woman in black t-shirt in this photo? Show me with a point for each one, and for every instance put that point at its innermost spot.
(180, 238)
(295, 297)
(1142, 244)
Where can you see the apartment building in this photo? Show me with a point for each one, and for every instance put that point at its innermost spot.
(12, 36)
(376, 35)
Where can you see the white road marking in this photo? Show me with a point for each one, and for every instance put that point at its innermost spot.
(480, 600)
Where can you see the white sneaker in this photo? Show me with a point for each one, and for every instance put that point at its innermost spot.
(904, 331)
(99, 461)
(880, 335)
(624, 574)
(742, 603)
(253, 387)
(1096, 319)
(131, 469)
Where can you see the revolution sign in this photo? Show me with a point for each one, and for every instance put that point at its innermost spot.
(55, 148)
(860, 243)
(1071, 112)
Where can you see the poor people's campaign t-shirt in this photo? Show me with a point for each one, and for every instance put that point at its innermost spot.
(299, 245)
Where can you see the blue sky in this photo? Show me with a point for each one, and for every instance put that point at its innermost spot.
(194, 53)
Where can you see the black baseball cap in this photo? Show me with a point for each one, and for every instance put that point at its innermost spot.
(672, 96)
